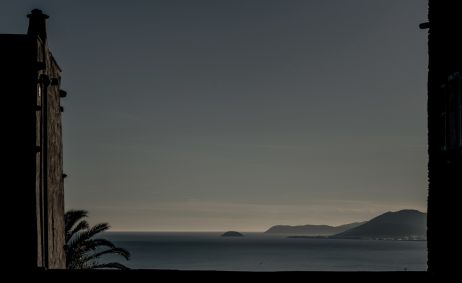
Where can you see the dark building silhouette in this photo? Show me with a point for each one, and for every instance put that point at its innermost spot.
(33, 179)
(444, 133)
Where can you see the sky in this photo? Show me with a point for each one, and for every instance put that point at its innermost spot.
(213, 115)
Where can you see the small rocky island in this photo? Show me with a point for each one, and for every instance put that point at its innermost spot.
(232, 234)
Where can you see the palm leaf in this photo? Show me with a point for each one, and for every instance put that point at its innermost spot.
(81, 226)
(98, 228)
(120, 251)
(81, 238)
(71, 217)
(81, 249)
(109, 265)
(93, 244)
(81, 246)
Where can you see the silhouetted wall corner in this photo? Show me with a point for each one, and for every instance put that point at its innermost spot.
(444, 132)
(30, 79)
(37, 24)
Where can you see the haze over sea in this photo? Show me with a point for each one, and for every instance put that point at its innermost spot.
(263, 252)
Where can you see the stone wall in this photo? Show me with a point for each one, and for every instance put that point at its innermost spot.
(49, 133)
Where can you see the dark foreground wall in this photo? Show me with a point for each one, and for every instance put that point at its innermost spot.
(444, 134)
(32, 180)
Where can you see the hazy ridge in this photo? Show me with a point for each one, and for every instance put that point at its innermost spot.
(403, 224)
(407, 224)
(311, 230)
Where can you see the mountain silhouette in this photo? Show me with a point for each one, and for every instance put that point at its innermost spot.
(403, 224)
(312, 230)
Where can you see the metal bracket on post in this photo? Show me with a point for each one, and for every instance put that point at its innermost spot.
(44, 79)
(425, 25)
(55, 81)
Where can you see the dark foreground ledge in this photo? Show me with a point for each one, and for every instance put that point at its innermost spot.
(213, 276)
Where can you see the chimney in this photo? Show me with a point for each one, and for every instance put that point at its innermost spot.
(37, 24)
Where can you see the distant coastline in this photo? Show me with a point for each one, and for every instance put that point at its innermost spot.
(403, 225)
(358, 238)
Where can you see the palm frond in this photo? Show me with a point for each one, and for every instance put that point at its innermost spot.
(78, 249)
(71, 217)
(82, 250)
(93, 244)
(98, 228)
(120, 251)
(110, 265)
(81, 226)
(81, 239)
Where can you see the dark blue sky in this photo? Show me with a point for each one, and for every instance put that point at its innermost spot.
(219, 115)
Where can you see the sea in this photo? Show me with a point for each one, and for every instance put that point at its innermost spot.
(264, 252)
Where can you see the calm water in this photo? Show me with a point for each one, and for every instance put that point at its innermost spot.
(260, 252)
